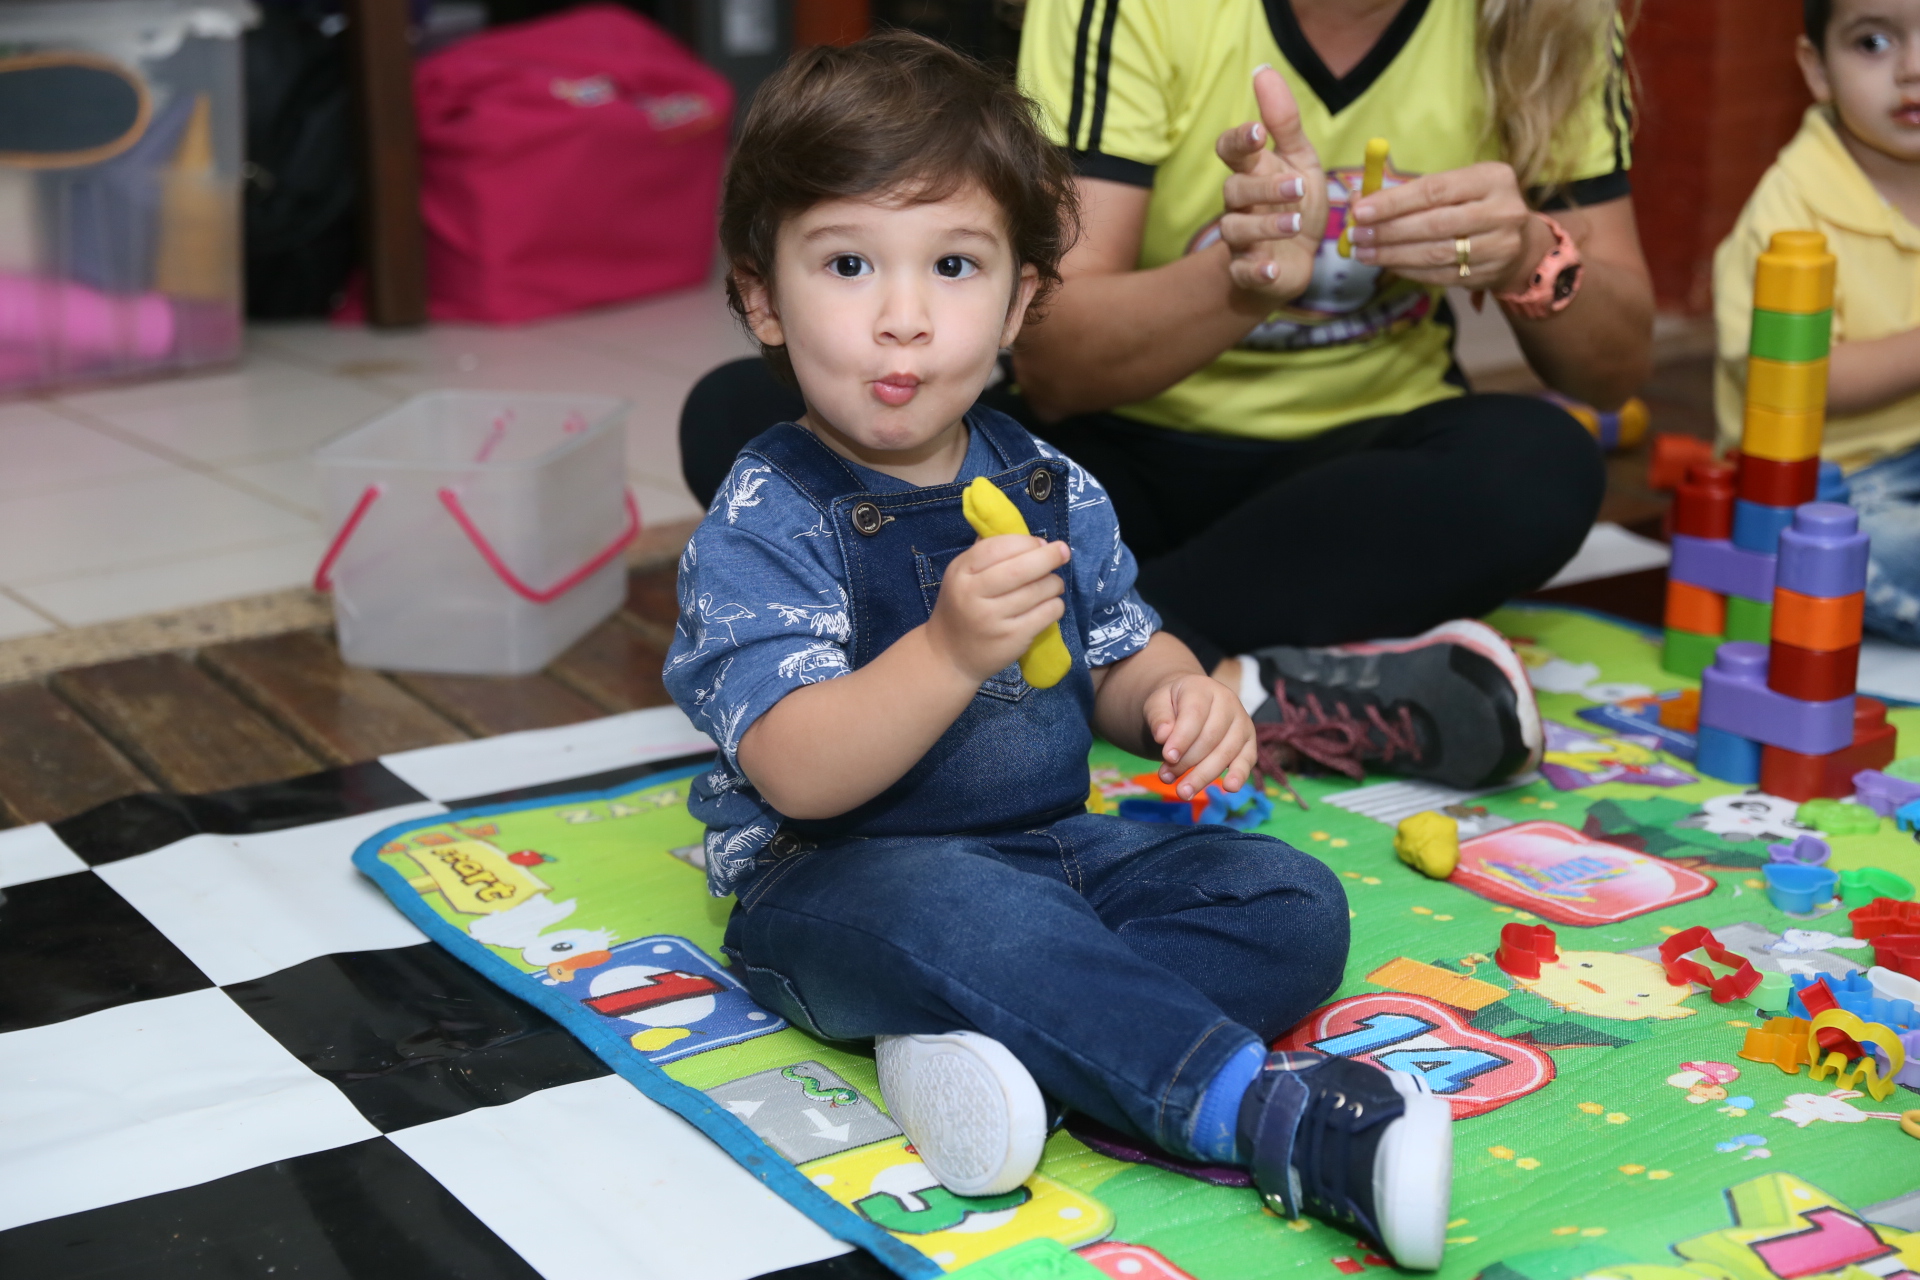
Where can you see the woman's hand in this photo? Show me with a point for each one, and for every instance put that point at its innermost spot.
(1276, 199)
(1410, 229)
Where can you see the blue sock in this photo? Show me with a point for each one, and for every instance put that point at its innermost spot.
(1216, 1121)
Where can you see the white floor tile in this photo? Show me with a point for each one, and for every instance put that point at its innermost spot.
(41, 451)
(134, 590)
(17, 620)
(242, 907)
(261, 373)
(137, 520)
(595, 1181)
(251, 427)
(663, 501)
(35, 853)
(151, 1097)
(462, 769)
(294, 479)
(1609, 550)
(686, 333)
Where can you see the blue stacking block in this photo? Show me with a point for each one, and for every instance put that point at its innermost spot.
(1833, 484)
(1727, 756)
(1757, 528)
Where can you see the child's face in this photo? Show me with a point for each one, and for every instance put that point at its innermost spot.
(1870, 72)
(893, 316)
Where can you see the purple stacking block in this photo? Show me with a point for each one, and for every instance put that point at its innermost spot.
(1824, 553)
(1734, 698)
(1718, 565)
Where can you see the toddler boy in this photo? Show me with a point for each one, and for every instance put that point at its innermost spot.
(900, 815)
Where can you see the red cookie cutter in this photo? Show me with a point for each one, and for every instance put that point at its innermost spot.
(1899, 952)
(1884, 915)
(1681, 970)
(1818, 998)
(1524, 948)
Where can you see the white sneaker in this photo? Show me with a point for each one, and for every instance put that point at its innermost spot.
(1413, 1176)
(968, 1107)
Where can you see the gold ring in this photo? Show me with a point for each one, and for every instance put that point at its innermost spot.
(1463, 254)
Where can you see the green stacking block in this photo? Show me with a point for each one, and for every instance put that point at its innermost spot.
(1687, 653)
(1749, 620)
(1780, 336)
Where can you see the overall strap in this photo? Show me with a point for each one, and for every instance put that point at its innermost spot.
(820, 474)
(1013, 442)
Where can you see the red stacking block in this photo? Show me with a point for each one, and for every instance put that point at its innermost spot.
(1779, 484)
(1813, 675)
(1794, 776)
(1672, 455)
(1703, 505)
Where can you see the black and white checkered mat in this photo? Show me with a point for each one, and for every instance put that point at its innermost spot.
(225, 1053)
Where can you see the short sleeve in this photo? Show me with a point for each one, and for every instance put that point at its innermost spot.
(1118, 621)
(762, 607)
(1101, 70)
(1598, 173)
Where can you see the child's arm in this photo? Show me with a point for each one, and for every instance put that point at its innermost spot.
(1157, 701)
(1864, 376)
(827, 748)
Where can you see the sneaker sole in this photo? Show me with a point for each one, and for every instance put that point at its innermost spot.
(1482, 639)
(1413, 1177)
(969, 1108)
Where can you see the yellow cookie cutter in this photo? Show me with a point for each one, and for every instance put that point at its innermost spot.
(1867, 1071)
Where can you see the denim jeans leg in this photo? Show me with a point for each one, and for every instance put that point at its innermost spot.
(931, 934)
(1887, 496)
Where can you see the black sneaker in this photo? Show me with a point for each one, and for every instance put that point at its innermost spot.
(1367, 1150)
(1452, 706)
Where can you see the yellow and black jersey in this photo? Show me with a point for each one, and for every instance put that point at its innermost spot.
(1139, 90)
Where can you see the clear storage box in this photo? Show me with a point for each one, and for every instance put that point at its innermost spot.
(476, 532)
(119, 187)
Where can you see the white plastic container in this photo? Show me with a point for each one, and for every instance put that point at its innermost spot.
(477, 533)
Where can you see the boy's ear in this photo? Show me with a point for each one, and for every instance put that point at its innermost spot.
(1813, 68)
(757, 299)
(1017, 310)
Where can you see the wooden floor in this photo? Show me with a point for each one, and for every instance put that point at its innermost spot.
(262, 710)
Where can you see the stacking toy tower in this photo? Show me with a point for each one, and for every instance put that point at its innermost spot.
(1728, 517)
(1781, 577)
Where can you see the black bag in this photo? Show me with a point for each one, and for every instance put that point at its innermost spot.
(302, 183)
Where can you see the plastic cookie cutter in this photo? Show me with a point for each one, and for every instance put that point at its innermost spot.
(1855, 994)
(1681, 969)
(1862, 885)
(1909, 1075)
(1884, 915)
(1809, 851)
(1899, 952)
(1796, 888)
(1782, 1041)
(1524, 948)
(1866, 1072)
(1243, 810)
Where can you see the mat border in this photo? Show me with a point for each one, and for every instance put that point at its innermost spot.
(732, 1134)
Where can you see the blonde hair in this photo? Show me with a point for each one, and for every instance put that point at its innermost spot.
(1540, 60)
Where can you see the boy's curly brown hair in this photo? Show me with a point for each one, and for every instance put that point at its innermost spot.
(897, 115)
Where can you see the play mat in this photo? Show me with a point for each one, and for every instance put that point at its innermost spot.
(1608, 1127)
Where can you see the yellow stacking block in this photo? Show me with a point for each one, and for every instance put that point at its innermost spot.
(1795, 274)
(1790, 388)
(1781, 437)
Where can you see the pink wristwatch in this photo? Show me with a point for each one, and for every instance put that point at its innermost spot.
(1554, 281)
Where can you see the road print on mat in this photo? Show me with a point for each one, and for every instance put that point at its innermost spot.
(804, 1111)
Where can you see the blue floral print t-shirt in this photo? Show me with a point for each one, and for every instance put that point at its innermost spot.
(763, 611)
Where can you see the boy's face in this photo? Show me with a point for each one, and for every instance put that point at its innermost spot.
(893, 315)
(1870, 72)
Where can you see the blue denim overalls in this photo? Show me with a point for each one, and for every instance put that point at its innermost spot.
(1123, 963)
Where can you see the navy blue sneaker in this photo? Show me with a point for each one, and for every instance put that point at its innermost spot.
(1367, 1150)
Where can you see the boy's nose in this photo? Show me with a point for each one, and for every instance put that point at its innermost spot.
(905, 319)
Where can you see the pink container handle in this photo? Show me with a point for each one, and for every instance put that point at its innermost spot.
(323, 576)
(451, 501)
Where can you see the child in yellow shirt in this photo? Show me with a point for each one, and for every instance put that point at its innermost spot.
(1853, 174)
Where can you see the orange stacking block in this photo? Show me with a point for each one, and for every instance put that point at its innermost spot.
(1695, 609)
(1815, 622)
(1799, 387)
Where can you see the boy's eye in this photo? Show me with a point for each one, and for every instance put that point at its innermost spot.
(1878, 42)
(955, 267)
(849, 265)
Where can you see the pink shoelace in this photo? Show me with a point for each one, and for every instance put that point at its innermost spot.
(1332, 741)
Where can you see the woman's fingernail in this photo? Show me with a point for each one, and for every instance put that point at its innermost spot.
(1269, 271)
(1258, 133)
(1363, 235)
(1265, 66)
(1286, 224)
(1293, 189)
(1366, 253)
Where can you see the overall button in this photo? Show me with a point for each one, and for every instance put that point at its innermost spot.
(1040, 484)
(867, 518)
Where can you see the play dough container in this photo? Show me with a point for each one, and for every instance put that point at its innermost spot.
(477, 533)
(1796, 888)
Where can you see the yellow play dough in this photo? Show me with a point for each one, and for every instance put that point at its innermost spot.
(1429, 843)
(992, 513)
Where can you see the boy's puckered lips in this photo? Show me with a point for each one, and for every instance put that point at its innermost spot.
(1907, 113)
(896, 389)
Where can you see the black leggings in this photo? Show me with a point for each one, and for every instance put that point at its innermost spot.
(1382, 527)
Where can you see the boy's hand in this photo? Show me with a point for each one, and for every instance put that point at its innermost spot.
(997, 595)
(1203, 731)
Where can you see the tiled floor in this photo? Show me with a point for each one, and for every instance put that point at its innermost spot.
(127, 501)
(140, 499)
